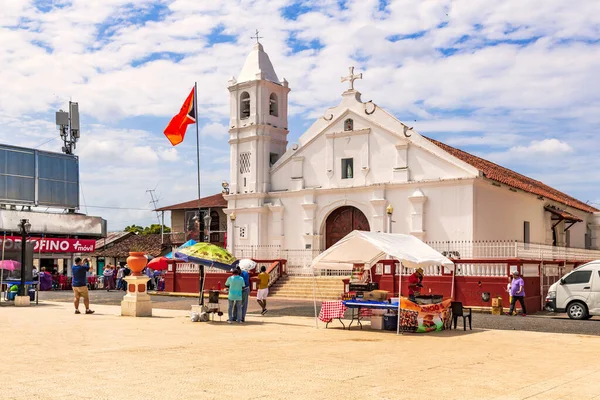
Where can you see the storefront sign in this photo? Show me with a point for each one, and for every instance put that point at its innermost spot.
(52, 245)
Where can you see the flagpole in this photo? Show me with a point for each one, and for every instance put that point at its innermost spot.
(201, 270)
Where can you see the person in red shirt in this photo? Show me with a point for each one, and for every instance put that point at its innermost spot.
(414, 284)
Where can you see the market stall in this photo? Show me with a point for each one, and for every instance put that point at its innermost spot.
(420, 313)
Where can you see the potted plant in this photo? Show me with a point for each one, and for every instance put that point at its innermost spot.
(136, 261)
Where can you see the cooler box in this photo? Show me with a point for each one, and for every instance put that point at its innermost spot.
(377, 322)
(377, 295)
(390, 322)
(32, 294)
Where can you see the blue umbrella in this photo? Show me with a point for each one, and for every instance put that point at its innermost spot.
(189, 243)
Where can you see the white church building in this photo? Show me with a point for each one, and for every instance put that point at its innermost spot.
(358, 167)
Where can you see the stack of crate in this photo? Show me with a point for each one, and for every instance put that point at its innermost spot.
(497, 306)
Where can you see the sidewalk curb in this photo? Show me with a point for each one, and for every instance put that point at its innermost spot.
(182, 294)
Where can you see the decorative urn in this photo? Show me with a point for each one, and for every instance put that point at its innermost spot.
(136, 262)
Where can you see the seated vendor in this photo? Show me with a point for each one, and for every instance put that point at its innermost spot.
(414, 284)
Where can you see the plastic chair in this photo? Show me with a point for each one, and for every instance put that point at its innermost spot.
(459, 311)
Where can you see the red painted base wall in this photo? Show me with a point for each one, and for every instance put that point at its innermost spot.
(467, 290)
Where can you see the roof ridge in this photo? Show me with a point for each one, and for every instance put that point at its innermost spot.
(527, 183)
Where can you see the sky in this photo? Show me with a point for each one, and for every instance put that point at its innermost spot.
(512, 81)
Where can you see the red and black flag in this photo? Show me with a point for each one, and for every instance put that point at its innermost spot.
(176, 129)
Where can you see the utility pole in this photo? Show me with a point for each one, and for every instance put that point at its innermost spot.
(154, 202)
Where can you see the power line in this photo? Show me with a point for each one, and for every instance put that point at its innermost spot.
(46, 142)
(154, 202)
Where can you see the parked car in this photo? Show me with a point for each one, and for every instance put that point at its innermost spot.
(577, 293)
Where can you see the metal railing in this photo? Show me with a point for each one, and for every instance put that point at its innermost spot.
(502, 249)
(299, 260)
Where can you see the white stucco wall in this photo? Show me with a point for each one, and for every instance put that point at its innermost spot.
(447, 211)
(500, 214)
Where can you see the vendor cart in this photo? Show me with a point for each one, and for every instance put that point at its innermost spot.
(213, 306)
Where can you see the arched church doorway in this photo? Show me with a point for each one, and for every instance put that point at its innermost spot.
(341, 222)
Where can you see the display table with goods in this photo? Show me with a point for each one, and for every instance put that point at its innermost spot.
(12, 288)
(414, 317)
(363, 249)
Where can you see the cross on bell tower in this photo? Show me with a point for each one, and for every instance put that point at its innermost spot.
(351, 77)
(256, 37)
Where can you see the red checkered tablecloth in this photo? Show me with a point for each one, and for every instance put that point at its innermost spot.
(332, 310)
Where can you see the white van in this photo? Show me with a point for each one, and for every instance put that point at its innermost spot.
(577, 293)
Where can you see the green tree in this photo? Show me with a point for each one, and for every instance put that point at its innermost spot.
(134, 228)
(155, 228)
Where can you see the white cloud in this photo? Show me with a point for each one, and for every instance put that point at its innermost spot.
(215, 130)
(168, 154)
(546, 147)
(495, 88)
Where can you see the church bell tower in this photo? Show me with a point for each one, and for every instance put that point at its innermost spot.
(258, 125)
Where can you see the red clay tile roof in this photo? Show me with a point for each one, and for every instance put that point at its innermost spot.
(214, 201)
(511, 178)
(110, 238)
(149, 244)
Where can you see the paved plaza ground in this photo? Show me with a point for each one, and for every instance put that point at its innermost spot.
(51, 353)
(541, 322)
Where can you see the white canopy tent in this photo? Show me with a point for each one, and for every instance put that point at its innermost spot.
(361, 247)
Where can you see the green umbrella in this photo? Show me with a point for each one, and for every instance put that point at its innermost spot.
(207, 254)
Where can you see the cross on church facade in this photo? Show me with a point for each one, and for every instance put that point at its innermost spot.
(256, 37)
(351, 77)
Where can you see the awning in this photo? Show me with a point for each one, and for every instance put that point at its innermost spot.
(360, 247)
(562, 215)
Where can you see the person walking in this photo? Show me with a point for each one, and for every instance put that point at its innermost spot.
(263, 289)
(150, 275)
(120, 273)
(246, 292)
(108, 277)
(517, 291)
(508, 285)
(235, 283)
(80, 288)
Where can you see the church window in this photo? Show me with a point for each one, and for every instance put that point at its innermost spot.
(349, 125)
(245, 163)
(273, 105)
(347, 168)
(245, 105)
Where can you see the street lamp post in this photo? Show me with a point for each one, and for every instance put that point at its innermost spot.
(389, 211)
(232, 218)
(24, 226)
(207, 221)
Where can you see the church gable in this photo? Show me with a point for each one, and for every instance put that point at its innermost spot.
(354, 150)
